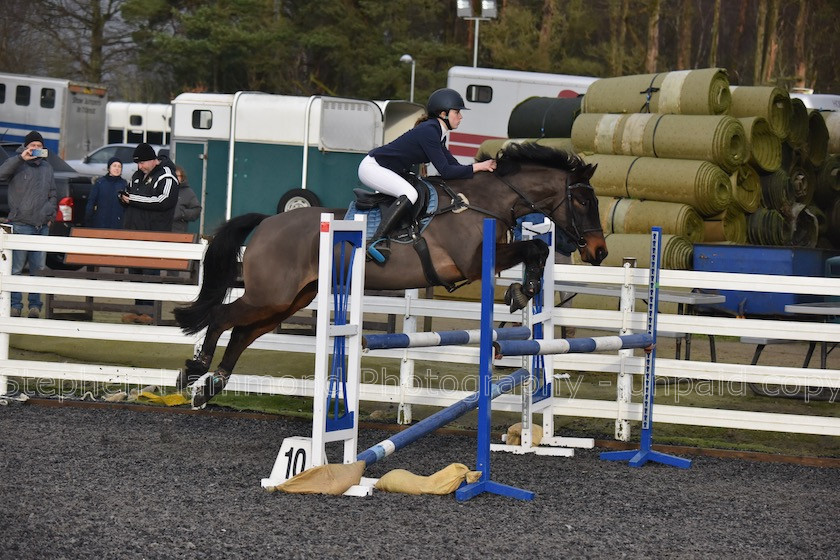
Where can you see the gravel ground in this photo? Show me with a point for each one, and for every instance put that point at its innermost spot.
(115, 483)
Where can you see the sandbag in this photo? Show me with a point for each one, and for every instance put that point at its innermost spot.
(445, 481)
(543, 117)
(683, 92)
(627, 215)
(765, 148)
(719, 139)
(700, 184)
(772, 103)
(489, 148)
(332, 479)
(514, 434)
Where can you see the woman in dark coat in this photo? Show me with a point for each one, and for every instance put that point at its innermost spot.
(188, 209)
(103, 206)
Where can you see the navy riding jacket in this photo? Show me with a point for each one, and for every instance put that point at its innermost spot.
(421, 144)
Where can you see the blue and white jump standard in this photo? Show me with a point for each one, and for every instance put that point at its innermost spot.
(639, 457)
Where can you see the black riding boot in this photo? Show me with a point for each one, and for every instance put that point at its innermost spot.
(390, 219)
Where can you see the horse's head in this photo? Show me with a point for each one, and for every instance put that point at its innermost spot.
(556, 183)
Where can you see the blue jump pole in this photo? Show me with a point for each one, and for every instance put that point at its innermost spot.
(484, 484)
(440, 338)
(572, 345)
(639, 457)
(439, 419)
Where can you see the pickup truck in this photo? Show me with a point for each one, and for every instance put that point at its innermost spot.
(72, 191)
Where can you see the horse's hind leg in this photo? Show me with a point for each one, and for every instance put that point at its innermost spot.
(199, 364)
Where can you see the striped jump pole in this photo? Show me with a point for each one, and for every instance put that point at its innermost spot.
(440, 338)
(439, 419)
(572, 345)
(485, 484)
(639, 457)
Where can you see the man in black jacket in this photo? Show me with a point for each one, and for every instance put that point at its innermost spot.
(150, 206)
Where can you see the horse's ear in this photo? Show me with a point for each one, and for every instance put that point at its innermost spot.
(588, 171)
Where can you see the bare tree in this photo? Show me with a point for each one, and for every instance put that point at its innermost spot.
(800, 63)
(618, 36)
(772, 48)
(713, 44)
(90, 32)
(684, 42)
(652, 54)
(760, 29)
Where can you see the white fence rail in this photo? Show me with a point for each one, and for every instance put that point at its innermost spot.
(405, 392)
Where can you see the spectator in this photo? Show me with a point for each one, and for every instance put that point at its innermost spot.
(188, 209)
(32, 207)
(103, 206)
(150, 206)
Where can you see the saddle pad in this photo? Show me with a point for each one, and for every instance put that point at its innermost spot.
(374, 216)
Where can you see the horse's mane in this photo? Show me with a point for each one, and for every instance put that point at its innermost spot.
(511, 157)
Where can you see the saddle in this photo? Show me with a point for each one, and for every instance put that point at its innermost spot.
(423, 210)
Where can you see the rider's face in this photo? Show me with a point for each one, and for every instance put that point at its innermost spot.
(454, 118)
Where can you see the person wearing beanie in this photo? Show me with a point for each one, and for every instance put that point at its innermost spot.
(32, 207)
(149, 206)
(104, 209)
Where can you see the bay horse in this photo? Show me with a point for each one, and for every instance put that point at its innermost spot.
(280, 263)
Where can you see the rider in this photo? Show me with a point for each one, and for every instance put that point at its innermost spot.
(425, 143)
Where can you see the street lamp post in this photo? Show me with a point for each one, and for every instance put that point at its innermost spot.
(488, 12)
(406, 58)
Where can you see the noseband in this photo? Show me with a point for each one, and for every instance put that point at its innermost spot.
(570, 215)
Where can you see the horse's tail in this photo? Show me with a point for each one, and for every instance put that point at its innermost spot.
(221, 268)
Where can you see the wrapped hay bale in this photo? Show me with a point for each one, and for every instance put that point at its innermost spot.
(765, 148)
(627, 215)
(719, 139)
(804, 227)
(803, 179)
(728, 226)
(700, 184)
(772, 103)
(816, 148)
(543, 117)
(828, 181)
(798, 129)
(777, 191)
(746, 188)
(684, 92)
(677, 251)
(767, 227)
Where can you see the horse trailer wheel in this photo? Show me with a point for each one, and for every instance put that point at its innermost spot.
(297, 198)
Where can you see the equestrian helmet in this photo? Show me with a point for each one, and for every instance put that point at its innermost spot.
(444, 99)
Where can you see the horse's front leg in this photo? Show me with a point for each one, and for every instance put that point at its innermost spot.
(532, 254)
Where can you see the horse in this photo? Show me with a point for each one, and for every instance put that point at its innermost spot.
(280, 263)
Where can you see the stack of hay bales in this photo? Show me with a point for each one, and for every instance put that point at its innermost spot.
(706, 161)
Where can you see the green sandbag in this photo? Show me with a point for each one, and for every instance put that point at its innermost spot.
(798, 129)
(543, 117)
(728, 226)
(832, 124)
(700, 184)
(489, 148)
(677, 251)
(628, 215)
(746, 188)
(683, 92)
(772, 103)
(816, 148)
(765, 148)
(719, 139)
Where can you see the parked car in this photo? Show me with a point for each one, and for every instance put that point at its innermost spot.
(72, 191)
(96, 162)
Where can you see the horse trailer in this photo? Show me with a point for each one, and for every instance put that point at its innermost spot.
(244, 152)
(134, 123)
(69, 115)
(491, 95)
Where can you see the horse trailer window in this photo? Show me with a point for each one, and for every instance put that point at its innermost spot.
(202, 119)
(154, 137)
(135, 120)
(22, 94)
(47, 98)
(479, 94)
(2, 93)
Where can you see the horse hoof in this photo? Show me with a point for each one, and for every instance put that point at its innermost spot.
(206, 387)
(515, 297)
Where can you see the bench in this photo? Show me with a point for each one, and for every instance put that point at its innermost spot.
(119, 268)
(762, 342)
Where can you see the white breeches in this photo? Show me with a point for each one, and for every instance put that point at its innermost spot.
(383, 180)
